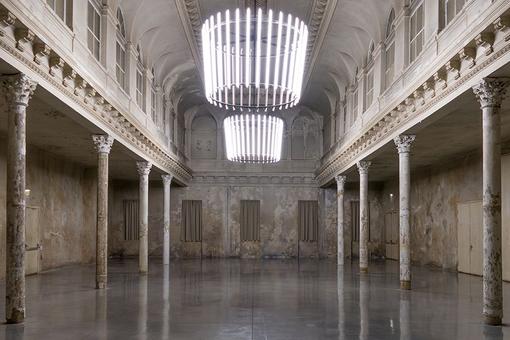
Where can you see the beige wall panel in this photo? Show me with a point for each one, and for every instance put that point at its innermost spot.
(463, 238)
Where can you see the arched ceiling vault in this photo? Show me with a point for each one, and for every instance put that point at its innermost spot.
(166, 31)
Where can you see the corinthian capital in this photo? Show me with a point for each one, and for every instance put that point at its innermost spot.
(102, 143)
(363, 167)
(491, 91)
(403, 142)
(340, 183)
(17, 88)
(167, 179)
(144, 168)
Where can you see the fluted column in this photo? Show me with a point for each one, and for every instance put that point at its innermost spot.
(403, 143)
(103, 145)
(363, 215)
(17, 90)
(490, 93)
(167, 180)
(340, 184)
(144, 169)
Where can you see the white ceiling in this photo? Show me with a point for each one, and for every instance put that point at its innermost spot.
(158, 28)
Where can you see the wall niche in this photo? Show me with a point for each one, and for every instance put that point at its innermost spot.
(203, 137)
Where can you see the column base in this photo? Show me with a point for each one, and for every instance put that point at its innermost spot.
(17, 316)
(363, 270)
(492, 320)
(405, 285)
(100, 285)
(101, 281)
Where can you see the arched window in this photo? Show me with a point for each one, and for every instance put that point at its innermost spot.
(120, 57)
(140, 81)
(389, 69)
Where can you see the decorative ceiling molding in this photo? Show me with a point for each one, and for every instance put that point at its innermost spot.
(191, 18)
(320, 18)
(321, 14)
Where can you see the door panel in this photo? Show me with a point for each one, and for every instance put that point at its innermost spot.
(32, 241)
(463, 238)
(476, 235)
(392, 244)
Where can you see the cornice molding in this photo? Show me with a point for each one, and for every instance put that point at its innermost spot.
(229, 179)
(70, 83)
(191, 18)
(433, 91)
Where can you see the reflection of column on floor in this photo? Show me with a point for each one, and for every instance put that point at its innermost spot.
(340, 292)
(166, 303)
(405, 317)
(102, 314)
(364, 297)
(142, 307)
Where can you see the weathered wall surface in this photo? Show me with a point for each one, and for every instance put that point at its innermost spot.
(64, 194)
(221, 221)
(435, 193)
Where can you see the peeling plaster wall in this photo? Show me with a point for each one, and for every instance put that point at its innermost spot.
(435, 193)
(221, 221)
(65, 195)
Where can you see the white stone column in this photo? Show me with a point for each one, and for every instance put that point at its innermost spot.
(340, 188)
(103, 145)
(490, 93)
(144, 169)
(167, 180)
(17, 90)
(363, 215)
(403, 143)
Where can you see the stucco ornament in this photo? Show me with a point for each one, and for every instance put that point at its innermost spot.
(491, 91)
(17, 88)
(403, 142)
(103, 143)
(143, 168)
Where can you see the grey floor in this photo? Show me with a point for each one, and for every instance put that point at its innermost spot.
(245, 299)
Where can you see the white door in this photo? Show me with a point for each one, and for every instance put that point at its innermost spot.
(469, 237)
(32, 241)
(391, 229)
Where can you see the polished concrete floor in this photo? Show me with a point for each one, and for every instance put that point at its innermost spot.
(245, 299)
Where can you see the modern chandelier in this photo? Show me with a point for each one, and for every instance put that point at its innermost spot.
(253, 66)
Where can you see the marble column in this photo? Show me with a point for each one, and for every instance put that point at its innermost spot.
(17, 91)
(143, 251)
(167, 180)
(340, 184)
(103, 145)
(490, 93)
(363, 215)
(403, 144)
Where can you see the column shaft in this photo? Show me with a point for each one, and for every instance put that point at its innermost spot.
(167, 179)
(340, 182)
(143, 251)
(363, 215)
(490, 93)
(403, 143)
(103, 144)
(17, 90)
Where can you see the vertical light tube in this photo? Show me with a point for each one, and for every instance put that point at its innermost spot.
(241, 124)
(268, 53)
(264, 135)
(253, 132)
(298, 68)
(259, 146)
(247, 71)
(228, 137)
(277, 63)
(219, 57)
(303, 59)
(214, 67)
(257, 60)
(238, 50)
(285, 58)
(205, 52)
(292, 65)
(228, 59)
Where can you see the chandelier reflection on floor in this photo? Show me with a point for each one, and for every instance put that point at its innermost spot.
(253, 67)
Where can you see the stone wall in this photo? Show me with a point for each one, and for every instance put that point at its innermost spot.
(64, 194)
(435, 193)
(221, 221)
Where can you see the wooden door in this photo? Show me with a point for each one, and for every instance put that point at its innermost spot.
(32, 241)
(391, 235)
(469, 237)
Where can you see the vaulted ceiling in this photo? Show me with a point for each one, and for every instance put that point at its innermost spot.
(168, 32)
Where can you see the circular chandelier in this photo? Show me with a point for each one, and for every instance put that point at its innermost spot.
(253, 138)
(253, 62)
